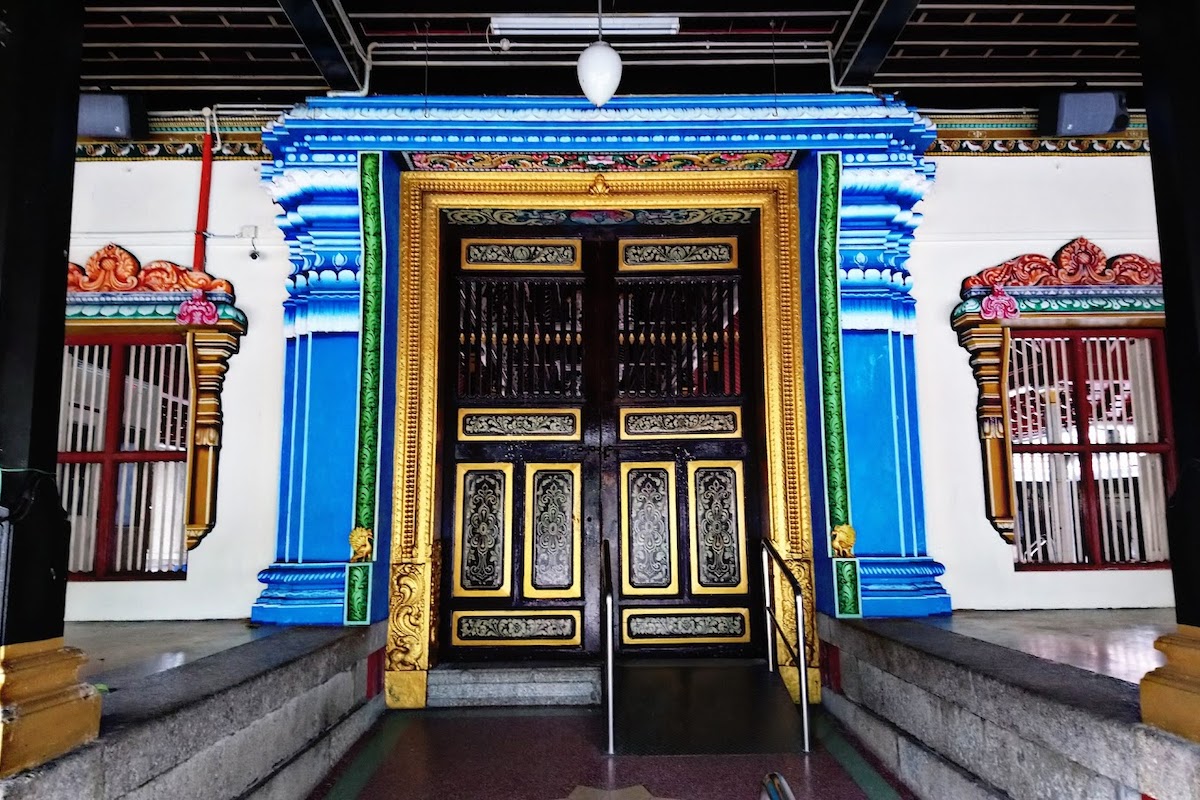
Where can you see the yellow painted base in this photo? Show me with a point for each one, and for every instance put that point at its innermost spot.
(406, 688)
(1171, 693)
(44, 710)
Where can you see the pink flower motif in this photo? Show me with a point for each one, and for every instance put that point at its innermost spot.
(999, 305)
(778, 160)
(198, 310)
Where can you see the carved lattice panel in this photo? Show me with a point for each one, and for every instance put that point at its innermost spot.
(483, 530)
(718, 527)
(649, 528)
(553, 530)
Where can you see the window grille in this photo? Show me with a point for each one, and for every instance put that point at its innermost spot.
(1090, 447)
(122, 455)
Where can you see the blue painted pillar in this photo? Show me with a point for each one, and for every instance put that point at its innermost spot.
(896, 576)
(321, 223)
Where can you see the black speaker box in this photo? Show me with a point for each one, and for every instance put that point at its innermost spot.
(1083, 114)
(111, 116)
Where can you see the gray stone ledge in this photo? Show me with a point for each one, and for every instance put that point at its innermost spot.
(1047, 729)
(927, 774)
(159, 724)
(305, 771)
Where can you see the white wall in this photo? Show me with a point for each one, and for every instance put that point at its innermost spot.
(983, 211)
(149, 208)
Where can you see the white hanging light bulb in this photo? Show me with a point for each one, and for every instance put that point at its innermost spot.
(599, 67)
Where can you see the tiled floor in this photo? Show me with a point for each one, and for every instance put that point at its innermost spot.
(548, 754)
(1114, 642)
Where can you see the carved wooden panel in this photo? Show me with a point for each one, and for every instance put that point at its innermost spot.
(553, 530)
(710, 422)
(483, 530)
(519, 424)
(653, 626)
(718, 527)
(649, 528)
(528, 628)
(524, 255)
(678, 255)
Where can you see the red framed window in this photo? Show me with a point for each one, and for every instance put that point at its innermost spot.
(1089, 427)
(122, 455)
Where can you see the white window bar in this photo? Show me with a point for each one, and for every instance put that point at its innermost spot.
(148, 525)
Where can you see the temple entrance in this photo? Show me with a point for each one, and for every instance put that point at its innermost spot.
(580, 326)
(601, 381)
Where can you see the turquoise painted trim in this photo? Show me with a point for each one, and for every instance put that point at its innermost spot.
(873, 784)
(139, 311)
(1089, 303)
(382, 743)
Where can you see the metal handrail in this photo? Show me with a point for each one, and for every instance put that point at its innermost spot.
(769, 554)
(606, 592)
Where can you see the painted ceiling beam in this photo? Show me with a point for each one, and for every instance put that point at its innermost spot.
(858, 58)
(331, 42)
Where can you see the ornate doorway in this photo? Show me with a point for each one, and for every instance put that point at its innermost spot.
(426, 440)
(594, 377)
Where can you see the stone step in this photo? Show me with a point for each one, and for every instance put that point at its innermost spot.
(461, 685)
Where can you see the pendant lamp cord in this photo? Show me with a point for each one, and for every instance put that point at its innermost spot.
(427, 68)
(600, 20)
(774, 72)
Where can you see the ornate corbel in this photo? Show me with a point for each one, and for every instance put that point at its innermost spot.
(209, 349)
(987, 343)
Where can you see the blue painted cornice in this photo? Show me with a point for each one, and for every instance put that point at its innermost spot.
(325, 128)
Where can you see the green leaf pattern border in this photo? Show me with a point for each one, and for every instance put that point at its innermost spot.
(358, 576)
(837, 487)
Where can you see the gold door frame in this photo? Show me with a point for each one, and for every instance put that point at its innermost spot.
(415, 558)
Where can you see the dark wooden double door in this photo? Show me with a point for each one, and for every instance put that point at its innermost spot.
(596, 388)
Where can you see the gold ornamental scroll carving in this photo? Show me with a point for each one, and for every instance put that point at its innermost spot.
(423, 197)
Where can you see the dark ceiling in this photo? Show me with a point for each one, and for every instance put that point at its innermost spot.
(940, 55)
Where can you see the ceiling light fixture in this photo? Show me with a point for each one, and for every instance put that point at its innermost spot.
(599, 66)
(583, 25)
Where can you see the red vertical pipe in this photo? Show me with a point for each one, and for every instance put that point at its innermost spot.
(206, 162)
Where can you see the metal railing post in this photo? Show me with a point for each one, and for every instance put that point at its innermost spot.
(769, 553)
(608, 593)
(802, 665)
(609, 670)
(768, 607)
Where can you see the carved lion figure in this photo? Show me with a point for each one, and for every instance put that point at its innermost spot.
(842, 540)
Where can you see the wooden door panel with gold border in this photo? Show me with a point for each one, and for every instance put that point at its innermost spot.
(595, 389)
(680, 447)
(515, 579)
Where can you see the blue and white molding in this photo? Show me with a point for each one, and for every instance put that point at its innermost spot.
(321, 222)
(896, 576)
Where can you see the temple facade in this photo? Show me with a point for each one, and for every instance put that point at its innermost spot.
(474, 338)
